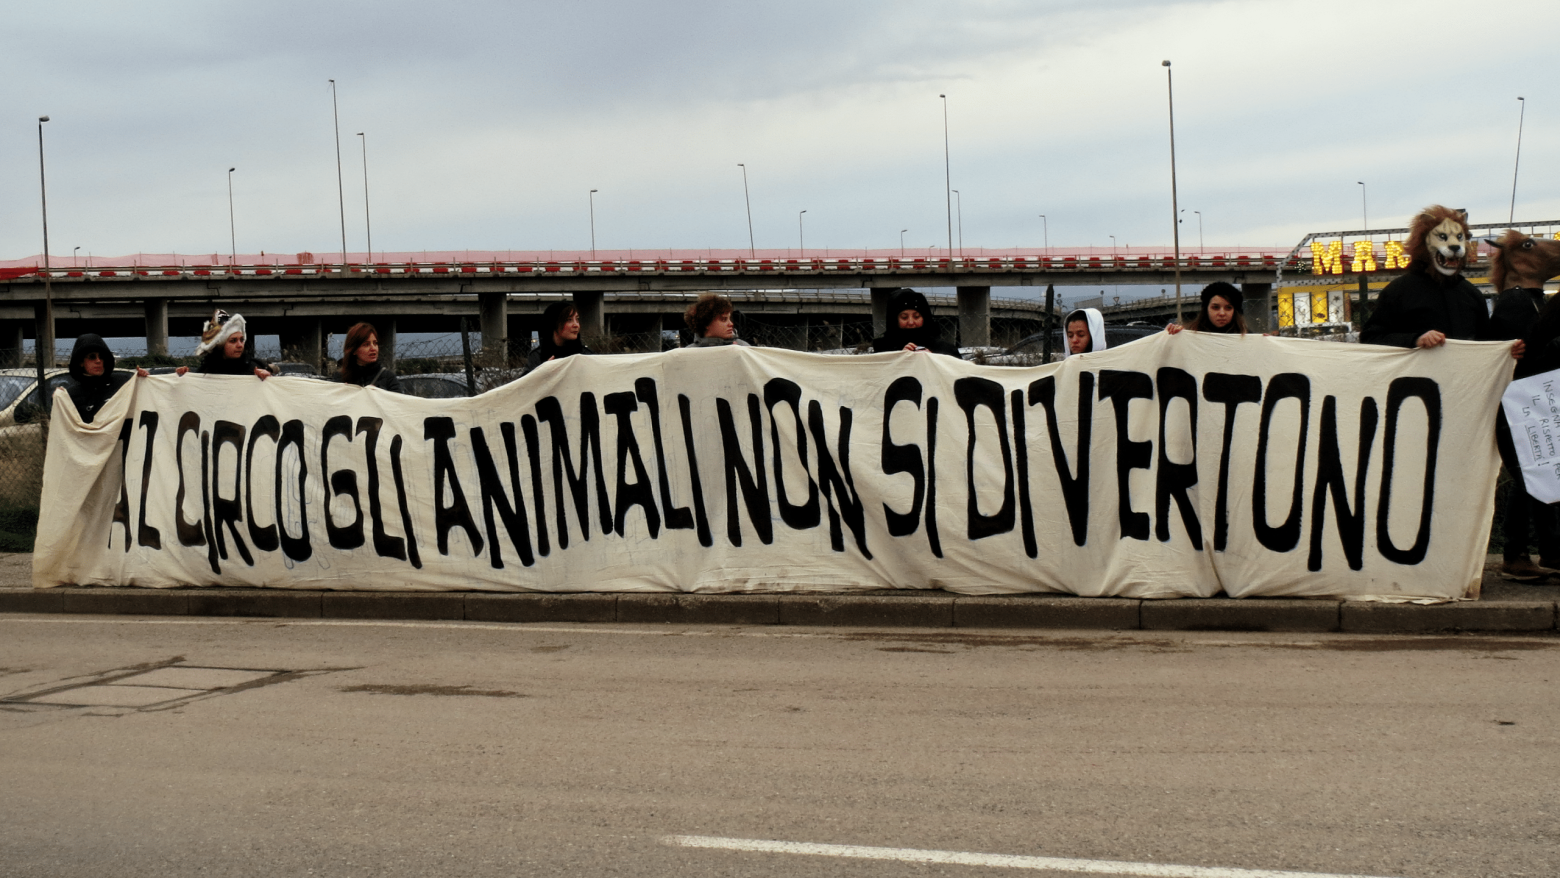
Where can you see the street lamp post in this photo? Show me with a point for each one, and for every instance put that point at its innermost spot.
(46, 327)
(73, 263)
(368, 223)
(960, 199)
(1364, 205)
(1521, 115)
(232, 228)
(748, 200)
(1113, 246)
(592, 198)
(947, 174)
(902, 242)
(801, 237)
(1200, 247)
(1046, 224)
(1175, 208)
(341, 191)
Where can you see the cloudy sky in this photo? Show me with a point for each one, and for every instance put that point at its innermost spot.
(487, 123)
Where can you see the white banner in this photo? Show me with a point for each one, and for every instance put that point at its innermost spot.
(1173, 466)
(1532, 407)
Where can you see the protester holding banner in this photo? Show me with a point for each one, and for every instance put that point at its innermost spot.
(1085, 332)
(560, 335)
(1220, 312)
(360, 360)
(709, 319)
(910, 327)
(223, 349)
(93, 379)
(1521, 312)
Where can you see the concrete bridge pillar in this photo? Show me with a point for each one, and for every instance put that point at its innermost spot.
(44, 316)
(302, 341)
(1257, 308)
(386, 335)
(880, 297)
(974, 316)
(495, 328)
(12, 336)
(156, 327)
(593, 322)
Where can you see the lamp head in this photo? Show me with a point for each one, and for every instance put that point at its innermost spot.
(231, 170)
(1164, 63)
(43, 118)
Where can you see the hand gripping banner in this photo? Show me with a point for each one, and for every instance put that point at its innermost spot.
(1174, 466)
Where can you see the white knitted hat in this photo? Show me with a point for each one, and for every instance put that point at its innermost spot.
(218, 330)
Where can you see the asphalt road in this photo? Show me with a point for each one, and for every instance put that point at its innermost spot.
(427, 749)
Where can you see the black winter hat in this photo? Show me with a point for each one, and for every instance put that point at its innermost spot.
(1227, 291)
(908, 299)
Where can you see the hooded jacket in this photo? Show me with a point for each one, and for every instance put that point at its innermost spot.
(90, 392)
(1096, 321)
(926, 335)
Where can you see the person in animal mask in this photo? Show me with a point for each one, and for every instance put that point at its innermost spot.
(1220, 312)
(92, 377)
(1085, 332)
(223, 349)
(910, 327)
(1519, 266)
(1433, 302)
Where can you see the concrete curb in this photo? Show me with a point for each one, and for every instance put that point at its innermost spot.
(899, 610)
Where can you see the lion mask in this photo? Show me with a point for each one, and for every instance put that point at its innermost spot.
(1438, 240)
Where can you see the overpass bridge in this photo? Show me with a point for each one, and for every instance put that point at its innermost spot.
(301, 296)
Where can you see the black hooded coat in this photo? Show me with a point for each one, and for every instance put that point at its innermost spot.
(90, 392)
(925, 336)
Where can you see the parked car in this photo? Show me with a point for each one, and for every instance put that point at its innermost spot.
(19, 399)
(438, 385)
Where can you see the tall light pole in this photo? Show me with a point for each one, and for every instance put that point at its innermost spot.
(1175, 207)
(1113, 246)
(1200, 247)
(47, 326)
(341, 192)
(232, 228)
(902, 242)
(960, 199)
(1046, 224)
(368, 223)
(592, 198)
(748, 200)
(947, 174)
(1364, 205)
(1521, 115)
(73, 255)
(801, 237)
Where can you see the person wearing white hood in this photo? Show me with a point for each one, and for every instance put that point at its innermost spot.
(222, 348)
(1084, 331)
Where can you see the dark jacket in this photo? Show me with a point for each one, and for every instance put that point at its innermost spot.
(376, 376)
(926, 336)
(1416, 303)
(710, 341)
(1516, 310)
(216, 364)
(88, 392)
(546, 350)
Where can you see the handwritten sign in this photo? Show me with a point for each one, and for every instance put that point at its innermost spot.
(1532, 408)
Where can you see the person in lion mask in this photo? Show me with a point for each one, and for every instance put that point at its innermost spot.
(1433, 301)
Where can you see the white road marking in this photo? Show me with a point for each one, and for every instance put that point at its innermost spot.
(1003, 861)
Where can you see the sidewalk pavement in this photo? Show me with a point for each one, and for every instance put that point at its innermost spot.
(1504, 607)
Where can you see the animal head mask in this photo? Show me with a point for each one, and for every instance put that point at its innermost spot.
(1438, 241)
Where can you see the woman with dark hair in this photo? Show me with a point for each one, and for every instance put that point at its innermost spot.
(1220, 312)
(93, 379)
(360, 360)
(710, 321)
(224, 349)
(560, 335)
(910, 327)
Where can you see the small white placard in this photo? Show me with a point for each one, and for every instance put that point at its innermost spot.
(1532, 407)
